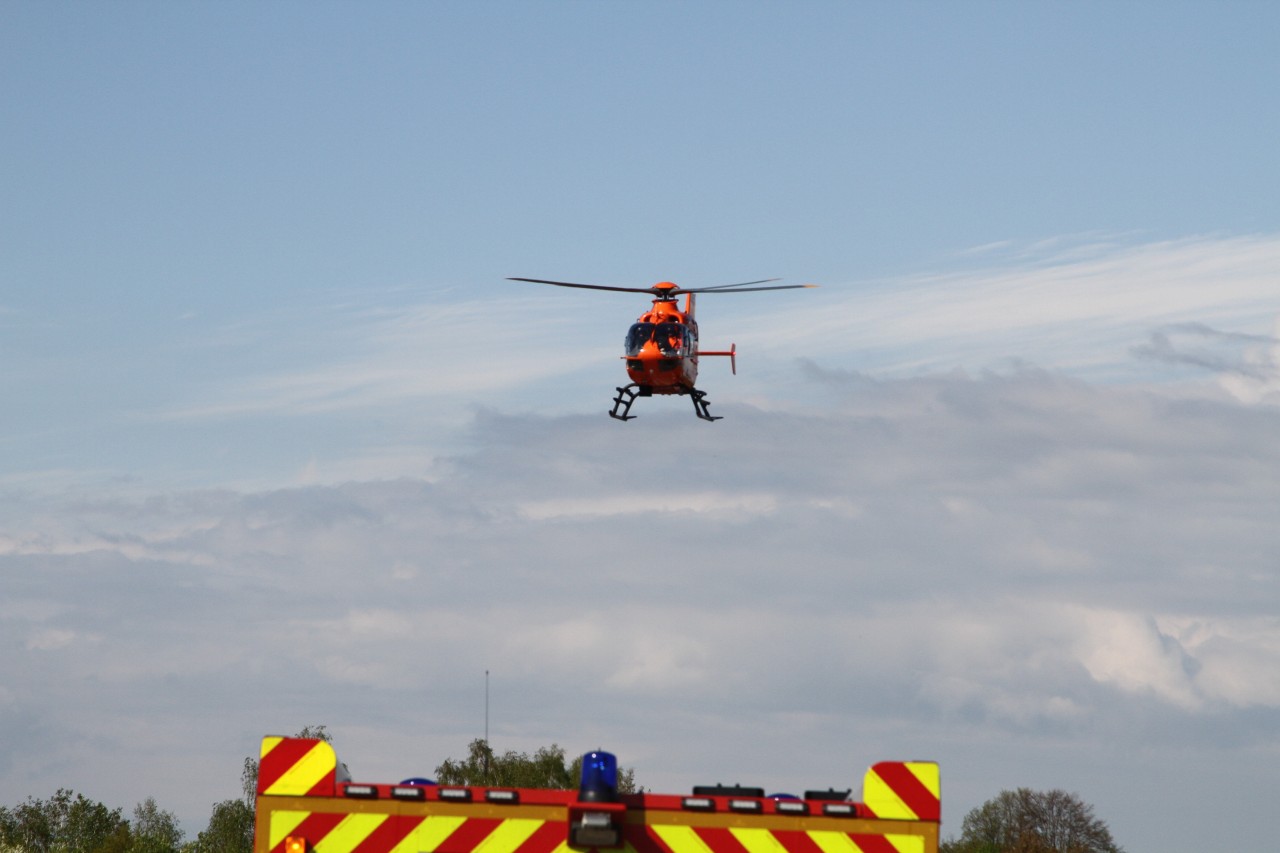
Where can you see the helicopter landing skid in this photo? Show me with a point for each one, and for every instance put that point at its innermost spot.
(627, 395)
(700, 405)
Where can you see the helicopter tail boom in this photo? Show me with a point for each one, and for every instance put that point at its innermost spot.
(732, 352)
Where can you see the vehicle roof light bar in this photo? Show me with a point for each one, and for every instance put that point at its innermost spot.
(699, 804)
(364, 792)
(408, 792)
(459, 795)
(502, 796)
(791, 807)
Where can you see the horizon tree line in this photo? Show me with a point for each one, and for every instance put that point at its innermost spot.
(1014, 821)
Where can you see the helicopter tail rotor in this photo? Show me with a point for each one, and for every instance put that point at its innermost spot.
(732, 352)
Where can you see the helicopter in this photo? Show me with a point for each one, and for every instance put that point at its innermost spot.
(661, 349)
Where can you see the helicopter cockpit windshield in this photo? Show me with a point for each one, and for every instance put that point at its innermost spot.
(637, 336)
(671, 338)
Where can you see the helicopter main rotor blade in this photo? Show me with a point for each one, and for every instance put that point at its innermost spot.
(739, 284)
(737, 289)
(585, 286)
(670, 292)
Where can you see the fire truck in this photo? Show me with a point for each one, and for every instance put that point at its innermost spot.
(308, 803)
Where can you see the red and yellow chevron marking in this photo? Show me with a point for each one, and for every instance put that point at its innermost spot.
(903, 790)
(669, 838)
(293, 767)
(379, 832)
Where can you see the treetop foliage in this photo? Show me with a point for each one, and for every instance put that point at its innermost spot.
(1017, 821)
(546, 768)
(1026, 821)
(154, 830)
(230, 830)
(69, 822)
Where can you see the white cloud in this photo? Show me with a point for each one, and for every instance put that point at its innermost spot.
(1096, 307)
(1237, 660)
(54, 638)
(647, 503)
(1079, 307)
(376, 358)
(1129, 651)
(966, 566)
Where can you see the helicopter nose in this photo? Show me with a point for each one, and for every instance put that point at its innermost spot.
(650, 363)
(652, 355)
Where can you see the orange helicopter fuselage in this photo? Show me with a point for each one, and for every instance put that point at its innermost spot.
(662, 346)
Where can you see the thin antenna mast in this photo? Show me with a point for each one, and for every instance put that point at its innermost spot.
(487, 748)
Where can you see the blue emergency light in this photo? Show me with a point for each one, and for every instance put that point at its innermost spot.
(596, 819)
(599, 778)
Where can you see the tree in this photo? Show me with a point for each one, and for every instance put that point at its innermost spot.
(230, 830)
(154, 830)
(1026, 821)
(546, 768)
(67, 822)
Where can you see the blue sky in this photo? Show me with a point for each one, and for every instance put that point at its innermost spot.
(258, 339)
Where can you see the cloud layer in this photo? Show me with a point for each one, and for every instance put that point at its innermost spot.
(981, 570)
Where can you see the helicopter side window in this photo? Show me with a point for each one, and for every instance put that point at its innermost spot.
(672, 338)
(637, 336)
